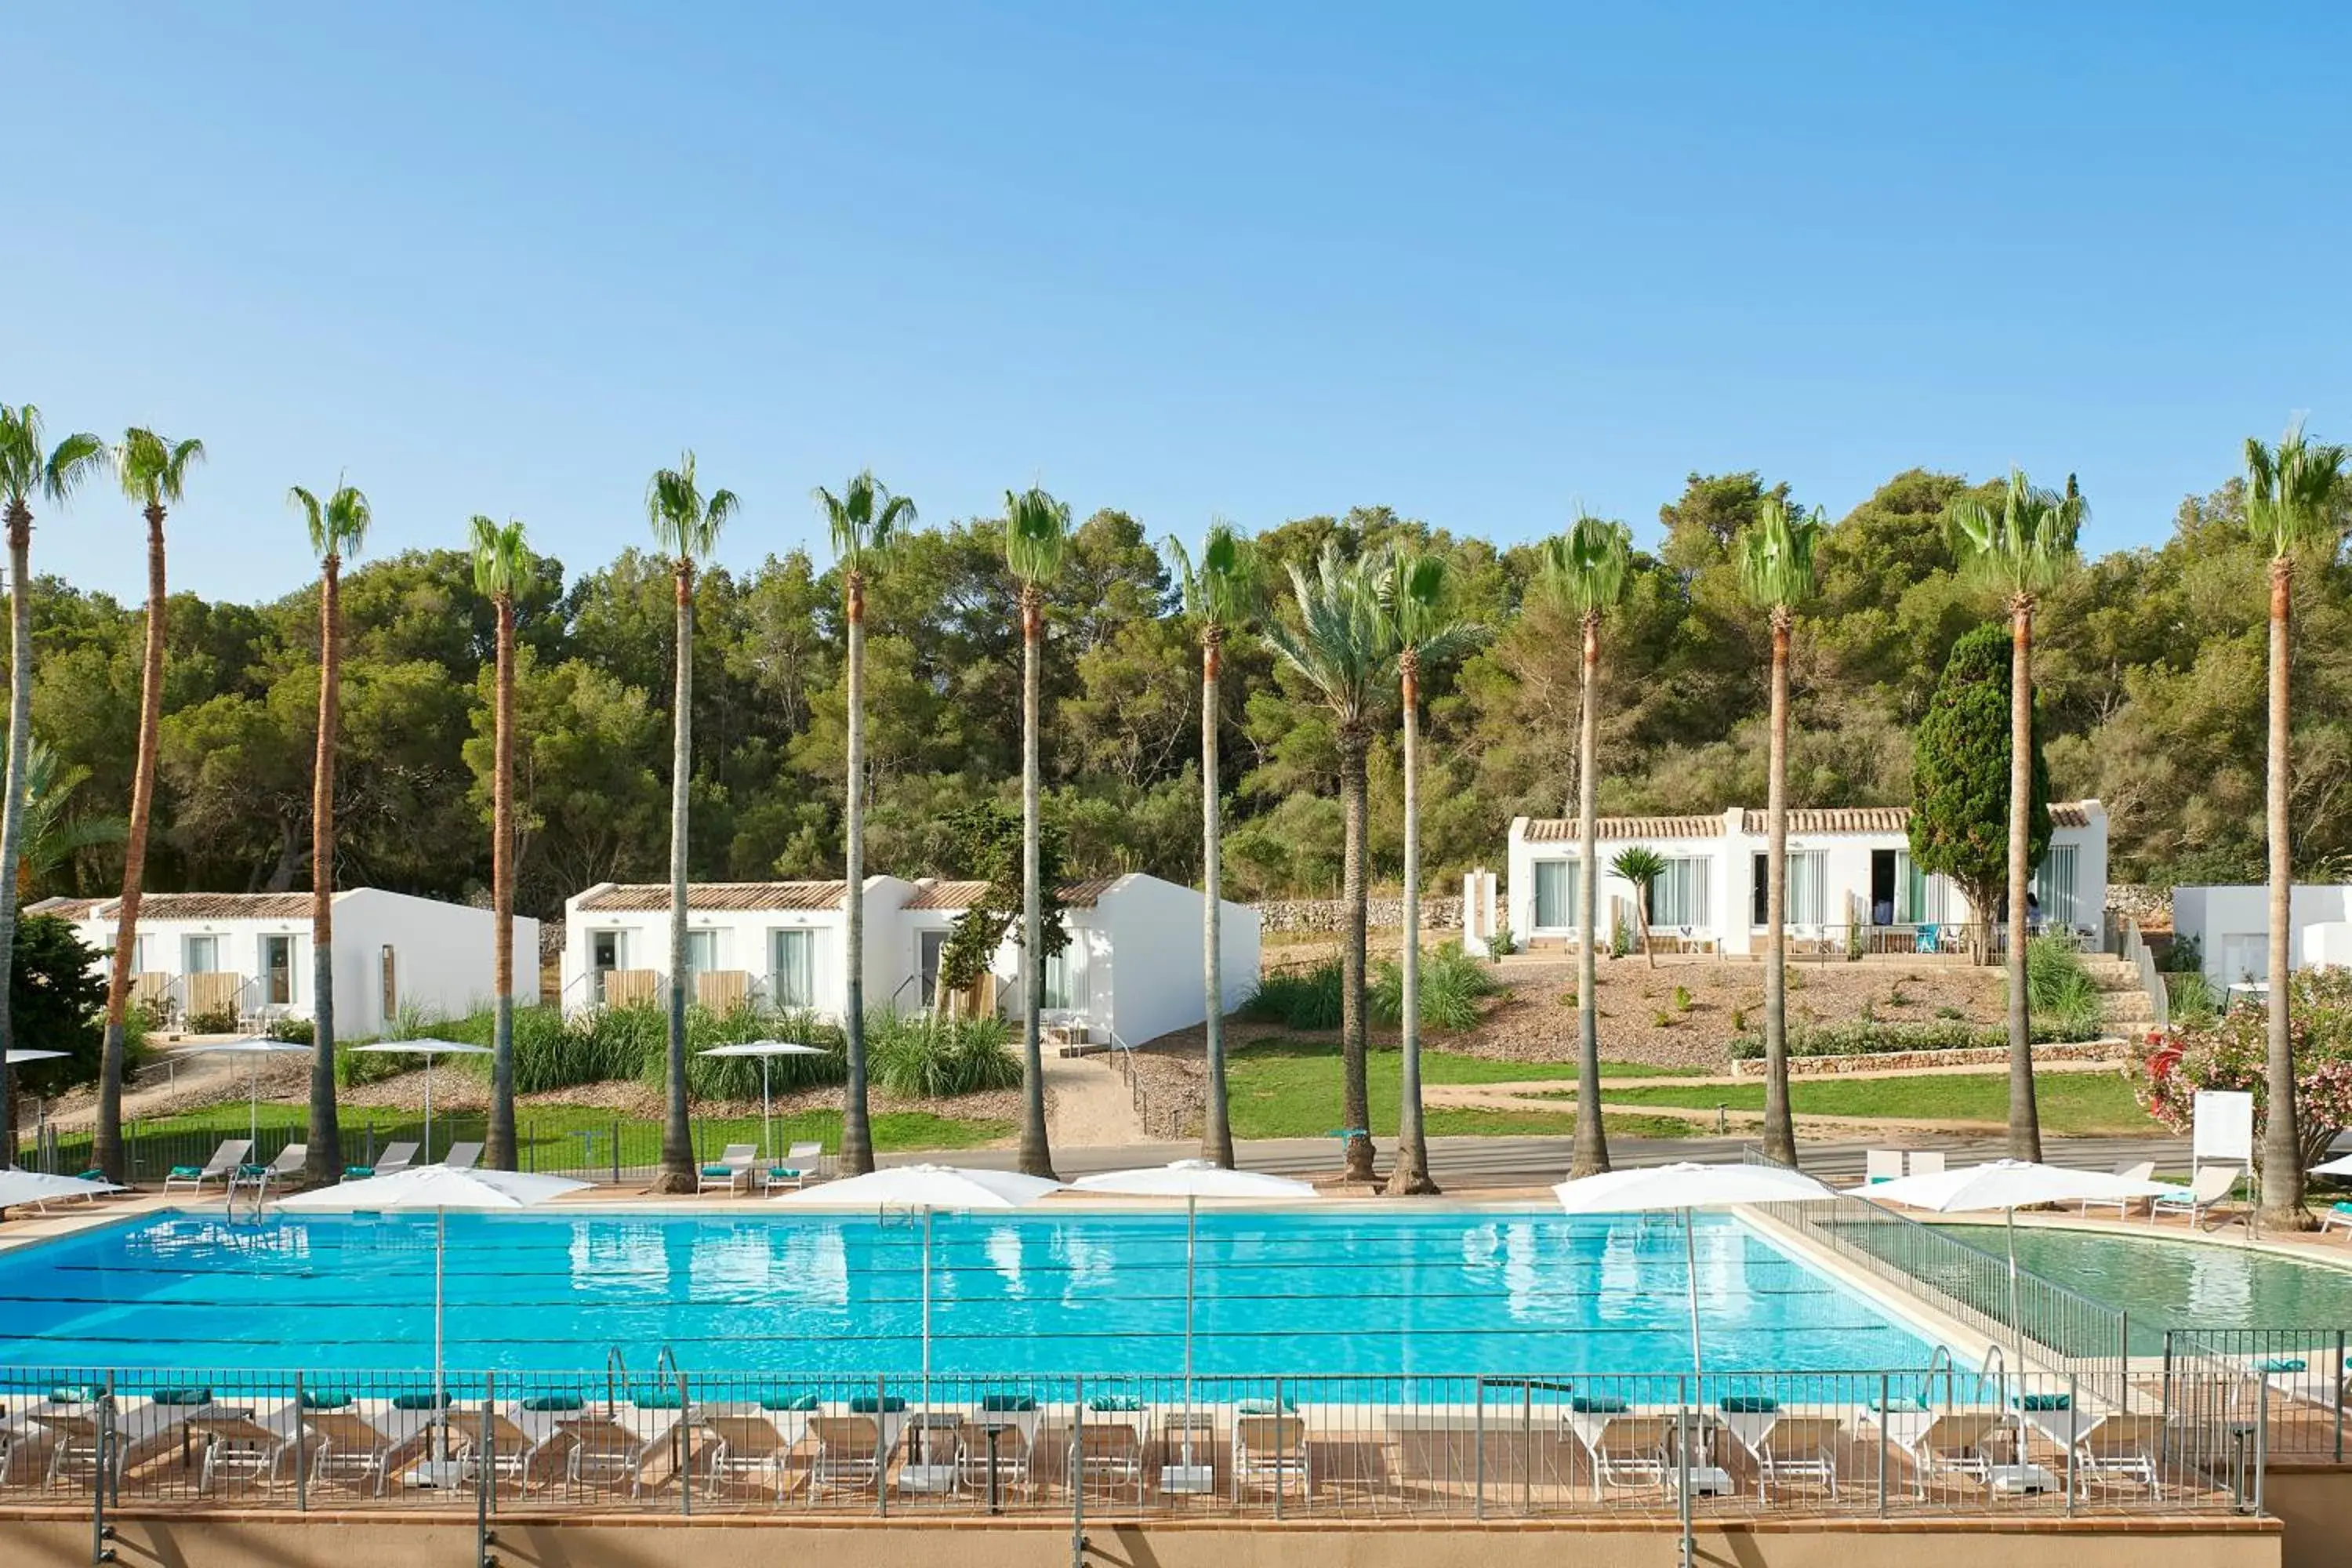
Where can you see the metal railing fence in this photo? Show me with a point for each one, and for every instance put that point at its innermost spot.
(1733, 1445)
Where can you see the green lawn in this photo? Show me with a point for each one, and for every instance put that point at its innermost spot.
(2087, 1103)
(1290, 1088)
(552, 1129)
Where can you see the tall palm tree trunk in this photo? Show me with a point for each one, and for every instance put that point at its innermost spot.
(12, 814)
(1592, 1151)
(1780, 1126)
(1036, 1156)
(107, 1151)
(1216, 1125)
(677, 1173)
(501, 1151)
(324, 1161)
(1411, 1174)
(2281, 1147)
(856, 1132)
(2024, 1117)
(1356, 1105)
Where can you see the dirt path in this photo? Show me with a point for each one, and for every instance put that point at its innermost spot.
(1089, 1104)
(184, 1078)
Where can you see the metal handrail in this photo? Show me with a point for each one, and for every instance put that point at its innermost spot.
(2151, 980)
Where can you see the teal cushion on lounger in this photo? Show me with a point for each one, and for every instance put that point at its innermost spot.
(2045, 1401)
(1113, 1402)
(422, 1402)
(251, 1170)
(783, 1173)
(2341, 1206)
(556, 1404)
(803, 1403)
(1265, 1408)
(183, 1172)
(97, 1175)
(187, 1394)
(1899, 1401)
(360, 1172)
(325, 1399)
(76, 1392)
(999, 1402)
(868, 1405)
(718, 1170)
(658, 1399)
(1747, 1404)
(1597, 1405)
(2278, 1364)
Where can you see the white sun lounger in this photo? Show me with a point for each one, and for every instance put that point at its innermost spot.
(612, 1445)
(2207, 1189)
(220, 1168)
(463, 1156)
(395, 1158)
(730, 1171)
(1628, 1448)
(1945, 1441)
(796, 1169)
(141, 1428)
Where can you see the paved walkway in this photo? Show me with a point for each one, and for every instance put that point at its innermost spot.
(1090, 1104)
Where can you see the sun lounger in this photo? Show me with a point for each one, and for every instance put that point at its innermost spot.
(730, 1171)
(463, 1156)
(846, 1452)
(220, 1168)
(608, 1446)
(1107, 1448)
(1627, 1449)
(361, 1442)
(1270, 1453)
(1881, 1165)
(750, 1439)
(1783, 1448)
(2337, 1212)
(246, 1445)
(2130, 1170)
(141, 1428)
(2126, 1446)
(1945, 1441)
(795, 1170)
(395, 1158)
(520, 1431)
(2207, 1189)
(1012, 1418)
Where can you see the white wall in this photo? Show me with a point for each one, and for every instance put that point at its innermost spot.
(1141, 942)
(2232, 925)
(744, 942)
(444, 958)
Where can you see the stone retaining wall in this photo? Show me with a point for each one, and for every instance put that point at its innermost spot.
(1327, 916)
(2116, 1052)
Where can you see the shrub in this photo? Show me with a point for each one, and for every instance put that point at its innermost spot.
(1682, 999)
(1298, 999)
(2194, 1001)
(1738, 1019)
(2059, 989)
(2233, 1052)
(295, 1031)
(1661, 1019)
(1451, 981)
(919, 1056)
(213, 1021)
(1869, 1039)
(1502, 944)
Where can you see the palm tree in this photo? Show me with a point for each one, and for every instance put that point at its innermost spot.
(27, 466)
(2295, 499)
(1642, 866)
(1416, 591)
(1584, 571)
(338, 528)
(1221, 595)
(1776, 571)
(2023, 548)
(153, 473)
(501, 561)
(1036, 535)
(864, 519)
(686, 528)
(52, 839)
(1344, 645)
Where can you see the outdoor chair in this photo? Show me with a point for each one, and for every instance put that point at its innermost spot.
(607, 1447)
(730, 1171)
(1270, 1453)
(2126, 1446)
(245, 1446)
(847, 1453)
(1881, 1165)
(1627, 1450)
(749, 1439)
(463, 1156)
(2336, 1213)
(359, 1444)
(1926, 1162)
(520, 1431)
(1946, 1442)
(2130, 1170)
(2207, 1189)
(395, 1158)
(1013, 1419)
(141, 1428)
(796, 1169)
(1106, 1454)
(220, 1168)
(1798, 1448)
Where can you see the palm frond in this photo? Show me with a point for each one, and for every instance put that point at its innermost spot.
(153, 471)
(1344, 645)
(1226, 589)
(1776, 554)
(1036, 535)
(2297, 493)
(313, 515)
(684, 524)
(70, 462)
(1586, 568)
(1416, 589)
(1639, 865)
(865, 520)
(2026, 545)
(501, 556)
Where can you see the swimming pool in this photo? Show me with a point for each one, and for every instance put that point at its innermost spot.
(1432, 1294)
(2164, 1282)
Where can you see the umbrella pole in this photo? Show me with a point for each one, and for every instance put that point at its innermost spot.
(428, 1108)
(2009, 1225)
(767, 1134)
(1192, 1218)
(253, 1110)
(1683, 1418)
(926, 1306)
(1690, 1260)
(440, 1411)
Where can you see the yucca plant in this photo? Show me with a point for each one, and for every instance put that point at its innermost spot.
(2022, 549)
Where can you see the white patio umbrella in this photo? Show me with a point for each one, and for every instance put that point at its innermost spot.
(428, 1049)
(439, 1188)
(1687, 1187)
(1194, 1180)
(22, 1056)
(2340, 1166)
(253, 1050)
(766, 1051)
(2009, 1185)
(21, 1186)
(929, 1188)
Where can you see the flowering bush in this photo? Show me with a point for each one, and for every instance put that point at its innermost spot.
(2229, 1053)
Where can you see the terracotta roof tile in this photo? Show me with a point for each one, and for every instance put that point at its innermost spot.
(941, 895)
(216, 907)
(1563, 830)
(736, 897)
(63, 909)
(1830, 819)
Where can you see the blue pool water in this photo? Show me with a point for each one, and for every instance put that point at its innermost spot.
(1352, 1293)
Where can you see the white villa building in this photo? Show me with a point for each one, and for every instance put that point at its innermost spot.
(1131, 972)
(1850, 879)
(2231, 926)
(242, 960)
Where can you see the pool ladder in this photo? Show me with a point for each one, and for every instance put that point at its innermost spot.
(667, 1371)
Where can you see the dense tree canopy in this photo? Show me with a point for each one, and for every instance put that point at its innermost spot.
(2149, 664)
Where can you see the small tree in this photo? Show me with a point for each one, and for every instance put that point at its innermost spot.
(988, 840)
(1960, 779)
(2232, 1053)
(57, 995)
(1641, 865)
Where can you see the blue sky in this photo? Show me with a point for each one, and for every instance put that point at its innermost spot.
(1476, 262)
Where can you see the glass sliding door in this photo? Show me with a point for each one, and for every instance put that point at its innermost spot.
(1556, 884)
(792, 975)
